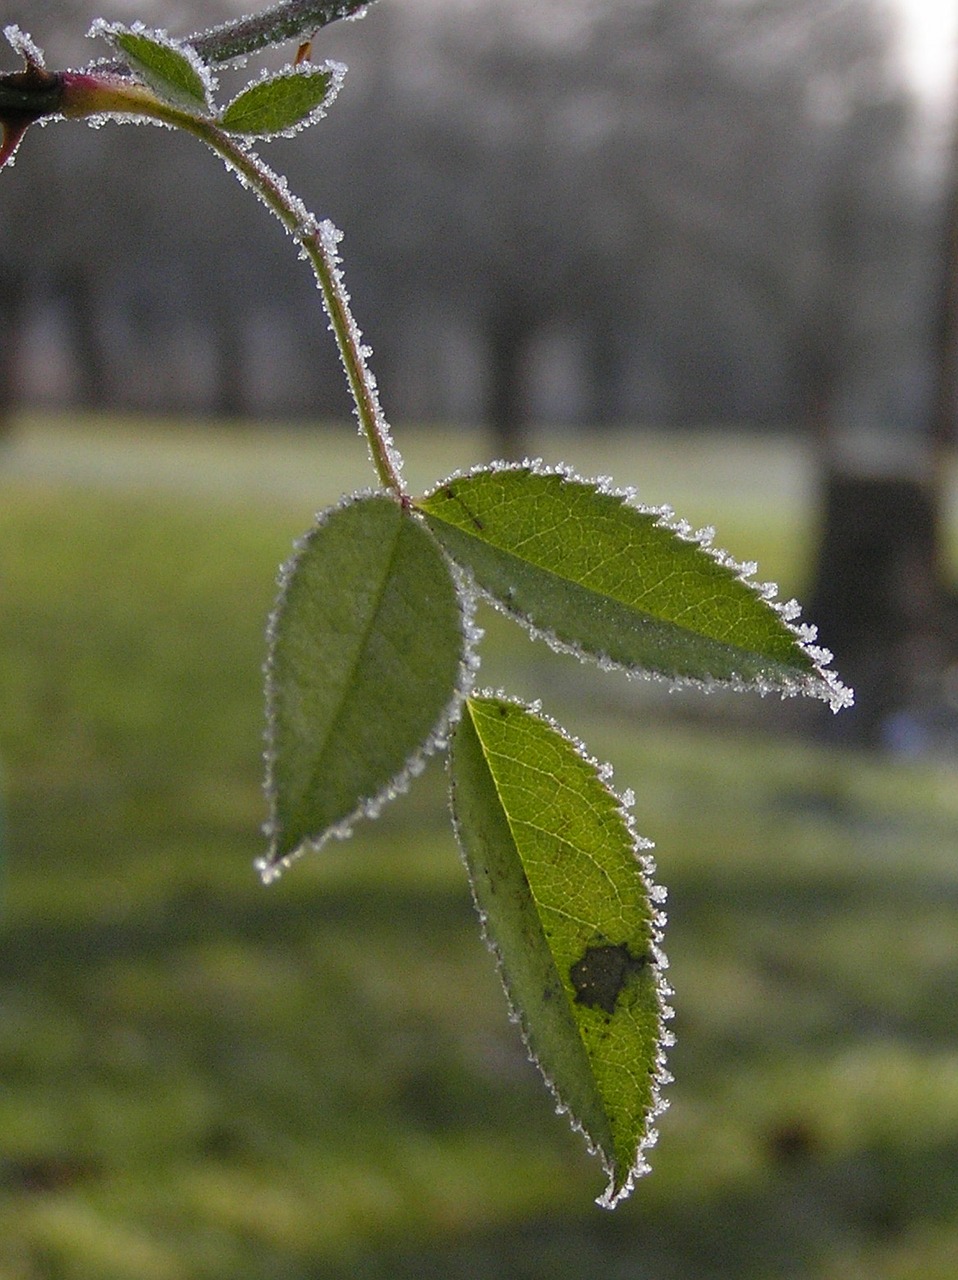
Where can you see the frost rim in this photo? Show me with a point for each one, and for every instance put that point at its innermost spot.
(336, 71)
(110, 31)
(641, 847)
(821, 683)
(269, 867)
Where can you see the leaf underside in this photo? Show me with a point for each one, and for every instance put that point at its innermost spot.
(366, 659)
(566, 902)
(610, 581)
(167, 69)
(279, 103)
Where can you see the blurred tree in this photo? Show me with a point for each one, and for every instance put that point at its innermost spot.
(881, 592)
(658, 185)
(656, 177)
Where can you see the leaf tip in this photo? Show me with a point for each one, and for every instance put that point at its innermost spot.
(270, 870)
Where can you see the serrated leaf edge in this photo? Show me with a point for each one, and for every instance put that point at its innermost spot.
(437, 740)
(641, 847)
(105, 30)
(823, 683)
(337, 75)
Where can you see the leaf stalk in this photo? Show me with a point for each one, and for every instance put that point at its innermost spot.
(89, 93)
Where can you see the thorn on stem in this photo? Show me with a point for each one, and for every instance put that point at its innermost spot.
(10, 134)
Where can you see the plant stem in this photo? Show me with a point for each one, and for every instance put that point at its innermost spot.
(292, 20)
(296, 19)
(318, 241)
(88, 94)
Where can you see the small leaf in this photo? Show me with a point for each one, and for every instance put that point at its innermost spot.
(569, 909)
(364, 670)
(283, 103)
(172, 70)
(582, 567)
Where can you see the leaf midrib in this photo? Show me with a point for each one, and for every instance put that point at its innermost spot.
(360, 652)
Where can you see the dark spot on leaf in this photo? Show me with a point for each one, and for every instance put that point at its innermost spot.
(601, 974)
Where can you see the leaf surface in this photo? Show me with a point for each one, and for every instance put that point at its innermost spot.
(173, 71)
(565, 895)
(366, 659)
(280, 103)
(583, 567)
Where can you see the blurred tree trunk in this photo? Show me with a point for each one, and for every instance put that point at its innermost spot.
(605, 375)
(78, 294)
(12, 300)
(879, 600)
(944, 422)
(880, 597)
(510, 329)
(229, 387)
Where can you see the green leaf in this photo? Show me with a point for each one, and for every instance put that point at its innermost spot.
(173, 71)
(567, 904)
(283, 103)
(366, 661)
(583, 567)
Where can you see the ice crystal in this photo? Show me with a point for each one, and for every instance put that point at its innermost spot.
(22, 42)
(337, 74)
(328, 238)
(269, 868)
(821, 683)
(661, 1076)
(109, 31)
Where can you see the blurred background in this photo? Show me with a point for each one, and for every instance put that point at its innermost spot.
(709, 247)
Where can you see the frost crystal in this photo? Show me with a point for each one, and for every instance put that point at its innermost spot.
(820, 683)
(22, 43)
(109, 31)
(336, 72)
(328, 238)
(270, 869)
(660, 1075)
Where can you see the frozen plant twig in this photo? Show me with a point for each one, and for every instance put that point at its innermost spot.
(294, 20)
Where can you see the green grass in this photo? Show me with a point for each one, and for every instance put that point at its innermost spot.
(202, 1079)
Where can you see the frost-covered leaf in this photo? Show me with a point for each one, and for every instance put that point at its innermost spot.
(283, 103)
(365, 667)
(582, 566)
(172, 70)
(564, 891)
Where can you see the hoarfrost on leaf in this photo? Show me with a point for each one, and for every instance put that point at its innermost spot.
(281, 104)
(563, 887)
(593, 573)
(172, 69)
(367, 668)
